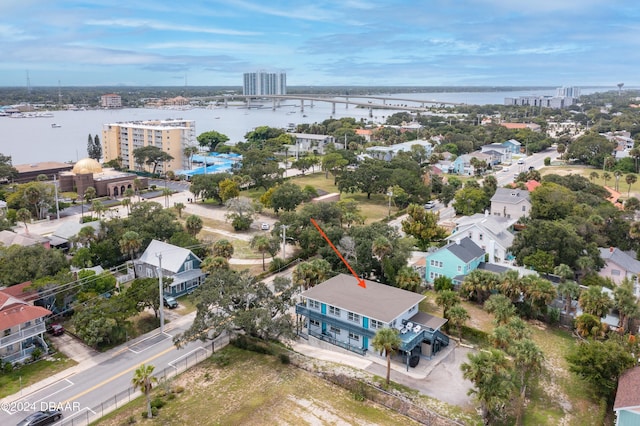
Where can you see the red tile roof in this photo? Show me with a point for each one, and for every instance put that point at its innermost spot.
(19, 313)
(18, 290)
(628, 384)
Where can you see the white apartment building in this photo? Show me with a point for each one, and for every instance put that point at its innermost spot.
(119, 140)
(264, 83)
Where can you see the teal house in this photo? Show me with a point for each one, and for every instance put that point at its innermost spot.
(455, 260)
(340, 312)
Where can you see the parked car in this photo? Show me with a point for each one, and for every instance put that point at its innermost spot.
(521, 161)
(429, 205)
(170, 302)
(265, 226)
(56, 329)
(41, 418)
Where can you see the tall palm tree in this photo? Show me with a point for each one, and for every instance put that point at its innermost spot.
(263, 245)
(24, 215)
(130, 243)
(387, 341)
(193, 225)
(501, 307)
(630, 179)
(211, 264)
(126, 202)
(593, 176)
(595, 302)
(569, 290)
(511, 285)
(458, 315)
(143, 379)
(617, 174)
(527, 360)
(447, 299)
(605, 177)
(626, 303)
(223, 248)
(635, 154)
(179, 208)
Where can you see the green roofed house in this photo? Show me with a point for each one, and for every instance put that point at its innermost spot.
(341, 312)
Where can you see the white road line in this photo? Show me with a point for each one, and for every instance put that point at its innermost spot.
(60, 390)
(166, 336)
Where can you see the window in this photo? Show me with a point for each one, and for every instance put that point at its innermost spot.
(459, 268)
(524, 208)
(314, 304)
(334, 311)
(314, 323)
(376, 324)
(353, 317)
(354, 336)
(432, 262)
(335, 330)
(188, 265)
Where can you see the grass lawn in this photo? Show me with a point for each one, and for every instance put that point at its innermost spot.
(254, 390)
(623, 187)
(33, 373)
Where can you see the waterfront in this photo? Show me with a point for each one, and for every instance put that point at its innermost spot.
(33, 140)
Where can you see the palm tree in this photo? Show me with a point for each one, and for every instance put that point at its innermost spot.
(24, 215)
(458, 315)
(408, 279)
(593, 301)
(263, 245)
(527, 360)
(590, 326)
(130, 243)
(510, 285)
(490, 373)
(593, 176)
(223, 248)
(634, 230)
(166, 192)
(635, 154)
(569, 290)
(630, 179)
(193, 224)
(501, 307)
(189, 152)
(605, 177)
(381, 248)
(387, 341)
(126, 202)
(309, 274)
(213, 263)
(447, 299)
(97, 207)
(617, 174)
(179, 208)
(143, 379)
(626, 303)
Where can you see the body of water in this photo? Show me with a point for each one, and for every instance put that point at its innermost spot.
(34, 140)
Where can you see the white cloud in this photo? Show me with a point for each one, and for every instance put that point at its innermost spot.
(161, 26)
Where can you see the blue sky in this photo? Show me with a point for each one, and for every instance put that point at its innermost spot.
(320, 42)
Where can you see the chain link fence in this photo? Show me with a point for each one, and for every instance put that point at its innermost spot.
(87, 415)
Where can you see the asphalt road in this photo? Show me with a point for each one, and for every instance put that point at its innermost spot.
(82, 390)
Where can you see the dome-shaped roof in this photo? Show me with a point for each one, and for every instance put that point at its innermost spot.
(87, 165)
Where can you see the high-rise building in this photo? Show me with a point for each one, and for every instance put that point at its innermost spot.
(111, 101)
(119, 140)
(264, 83)
(568, 92)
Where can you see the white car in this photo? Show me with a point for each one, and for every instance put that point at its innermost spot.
(506, 169)
(265, 226)
(521, 161)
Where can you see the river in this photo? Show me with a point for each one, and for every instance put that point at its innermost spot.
(34, 140)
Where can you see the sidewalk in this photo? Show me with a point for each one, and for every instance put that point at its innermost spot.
(78, 352)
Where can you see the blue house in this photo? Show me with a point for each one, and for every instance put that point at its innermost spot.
(179, 264)
(457, 258)
(513, 145)
(344, 314)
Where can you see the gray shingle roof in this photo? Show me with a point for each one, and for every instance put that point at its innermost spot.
(465, 249)
(510, 196)
(378, 301)
(620, 258)
(627, 395)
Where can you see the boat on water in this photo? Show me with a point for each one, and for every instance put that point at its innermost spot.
(55, 126)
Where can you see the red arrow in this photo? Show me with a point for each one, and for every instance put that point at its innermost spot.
(361, 282)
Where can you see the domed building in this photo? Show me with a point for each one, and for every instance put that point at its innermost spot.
(107, 182)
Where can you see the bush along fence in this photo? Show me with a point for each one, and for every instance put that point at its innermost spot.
(181, 364)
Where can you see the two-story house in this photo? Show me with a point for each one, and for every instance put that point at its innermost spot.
(22, 326)
(307, 143)
(502, 152)
(511, 203)
(491, 233)
(456, 259)
(177, 263)
(387, 153)
(341, 312)
(462, 165)
(513, 145)
(619, 265)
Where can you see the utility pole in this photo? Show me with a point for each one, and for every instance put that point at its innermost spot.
(159, 256)
(284, 241)
(55, 188)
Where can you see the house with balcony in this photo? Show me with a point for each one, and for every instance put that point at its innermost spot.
(499, 153)
(177, 263)
(493, 234)
(511, 203)
(454, 260)
(463, 165)
(344, 314)
(307, 143)
(22, 327)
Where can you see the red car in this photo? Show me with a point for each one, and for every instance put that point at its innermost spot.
(56, 329)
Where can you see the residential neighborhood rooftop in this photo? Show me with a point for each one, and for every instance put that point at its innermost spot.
(379, 301)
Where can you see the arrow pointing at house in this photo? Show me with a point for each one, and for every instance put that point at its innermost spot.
(361, 282)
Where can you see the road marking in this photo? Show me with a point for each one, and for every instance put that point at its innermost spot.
(122, 373)
(51, 394)
(76, 414)
(164, 336)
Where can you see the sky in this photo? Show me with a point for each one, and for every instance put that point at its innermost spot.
(320, 42)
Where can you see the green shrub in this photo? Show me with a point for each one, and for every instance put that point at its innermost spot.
(277, 264)
(475, 336)
(221, 359)
(284, 359)
(253, 345)
(178, 389)
(553, 315)
(157, 403)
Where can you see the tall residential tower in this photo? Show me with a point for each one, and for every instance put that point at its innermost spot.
(264, 83)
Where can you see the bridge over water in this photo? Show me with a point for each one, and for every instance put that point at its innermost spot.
(380, 102)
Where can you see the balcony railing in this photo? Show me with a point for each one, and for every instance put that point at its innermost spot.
(336, 322)
(23, 334)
